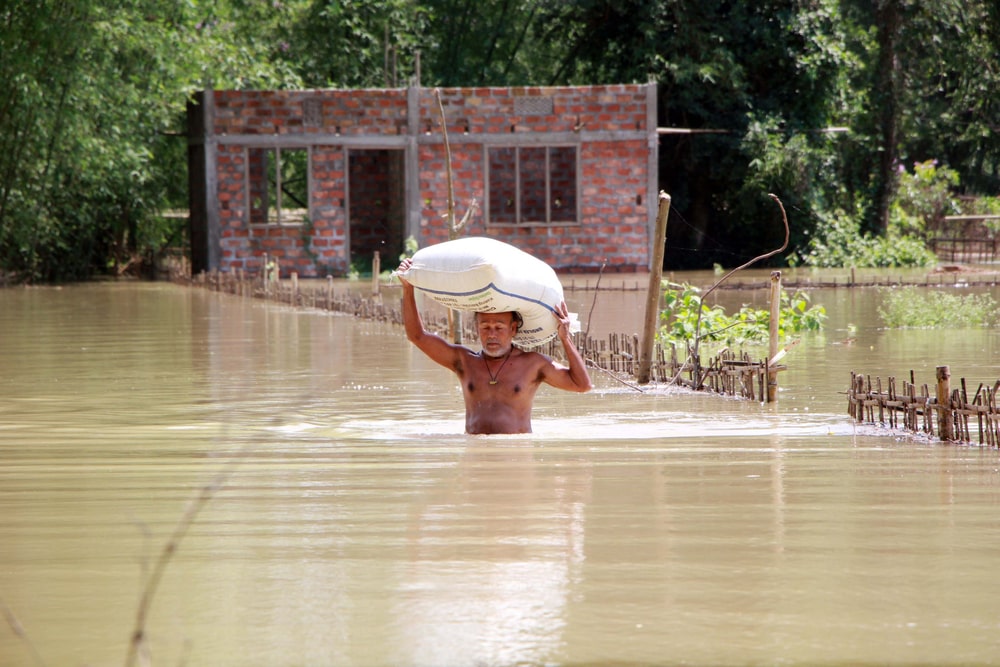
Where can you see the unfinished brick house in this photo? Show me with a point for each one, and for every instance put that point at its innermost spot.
(321, 179)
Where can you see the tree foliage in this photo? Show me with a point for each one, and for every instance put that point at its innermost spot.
(92, 145)
(358, 43)
(92, 142)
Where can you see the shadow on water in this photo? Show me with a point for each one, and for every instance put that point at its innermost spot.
(362, 527)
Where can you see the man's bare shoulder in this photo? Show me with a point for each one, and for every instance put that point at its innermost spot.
(463, 357)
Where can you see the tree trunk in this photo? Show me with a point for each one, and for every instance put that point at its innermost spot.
(886, 98)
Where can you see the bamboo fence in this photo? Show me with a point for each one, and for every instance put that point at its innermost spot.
(968, 238)
(947, 277)
(728, 373)
(948, 414)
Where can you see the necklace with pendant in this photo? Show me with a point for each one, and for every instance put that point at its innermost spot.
(493, 378)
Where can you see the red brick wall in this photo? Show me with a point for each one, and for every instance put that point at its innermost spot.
(349, 113)
(608, 124)
(329, 222)
(493, 110)
(614, 179)
(233, 230)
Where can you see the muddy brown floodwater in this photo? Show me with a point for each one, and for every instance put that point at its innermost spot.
(355, 524)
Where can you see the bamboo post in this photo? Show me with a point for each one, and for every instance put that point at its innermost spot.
(772, 374)
(653, 293)
(455, 325)
(294, 296)
(946, 430)
(276, 279)
(376, 269)
(263, 274)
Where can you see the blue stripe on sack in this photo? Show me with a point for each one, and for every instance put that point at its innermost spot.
(486, 289)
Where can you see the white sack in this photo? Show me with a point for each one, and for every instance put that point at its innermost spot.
(479, 274)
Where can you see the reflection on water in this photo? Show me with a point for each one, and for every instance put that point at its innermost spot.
(355, 524)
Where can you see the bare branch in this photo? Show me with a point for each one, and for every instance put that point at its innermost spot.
(19, 632)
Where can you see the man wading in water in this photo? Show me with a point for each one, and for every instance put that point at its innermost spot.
(499, 383)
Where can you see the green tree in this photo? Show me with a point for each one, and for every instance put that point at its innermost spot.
(751, 86)
(39, 43)
(758, 82)
(501, 43)
(358, 43)
(92, 133)
(92, 145)
(950, 56)
(931, 91)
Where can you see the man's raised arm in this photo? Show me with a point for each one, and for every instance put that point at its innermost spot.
(575, 377)
(435, 347)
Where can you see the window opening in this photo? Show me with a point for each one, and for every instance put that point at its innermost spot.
(532, 185)
(278, 185)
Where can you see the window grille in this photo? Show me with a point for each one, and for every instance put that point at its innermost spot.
(532, 185)
(278, 186)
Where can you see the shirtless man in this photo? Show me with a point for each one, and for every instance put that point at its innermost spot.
(498, 383)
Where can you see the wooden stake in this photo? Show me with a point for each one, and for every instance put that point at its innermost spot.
(772, 375)
(946, 427)
(376, 269)
(455, 326)
(653, 293)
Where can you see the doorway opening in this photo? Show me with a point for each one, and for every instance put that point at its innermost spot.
(376, 208)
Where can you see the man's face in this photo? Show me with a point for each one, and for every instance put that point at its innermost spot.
(496, 332)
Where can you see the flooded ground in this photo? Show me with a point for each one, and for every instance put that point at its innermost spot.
(349, 521)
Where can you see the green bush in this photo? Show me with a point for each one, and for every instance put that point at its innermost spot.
(840, 243)
(913, 307)
(923, 198)
(680, 322)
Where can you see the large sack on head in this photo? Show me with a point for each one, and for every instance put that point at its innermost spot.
(478, 274)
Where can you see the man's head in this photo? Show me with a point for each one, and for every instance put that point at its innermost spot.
(497, 331)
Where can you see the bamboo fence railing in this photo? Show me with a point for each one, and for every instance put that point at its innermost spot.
(950, 413)
(729, 373)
